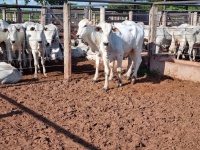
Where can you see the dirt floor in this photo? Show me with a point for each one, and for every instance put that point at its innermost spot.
(156, 113)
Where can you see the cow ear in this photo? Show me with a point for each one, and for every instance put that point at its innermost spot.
(97, 28)
(115, 29)
(5, 30)
(92, 23)
(32, 28)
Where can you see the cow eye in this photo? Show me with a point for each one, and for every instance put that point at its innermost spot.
(85, 25)
(5, 30)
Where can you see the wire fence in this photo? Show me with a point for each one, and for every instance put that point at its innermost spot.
(172, 19)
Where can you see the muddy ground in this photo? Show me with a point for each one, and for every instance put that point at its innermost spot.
(156, 113)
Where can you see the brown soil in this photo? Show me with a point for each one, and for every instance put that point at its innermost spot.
(52, 114)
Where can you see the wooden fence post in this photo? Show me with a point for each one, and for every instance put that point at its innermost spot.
(94, 17)
(90, 14)
(130, 15)
(194, 19)
(86, 12)
(42, 16)
(48, 15)
(67, 41)
(152, 31)
(191, 19)
(4, 14)
(164, 18)
(19, 15)
(102, 14)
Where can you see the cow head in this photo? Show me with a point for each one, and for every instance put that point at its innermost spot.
(13, 31)
(106, 30)
(56, 53)
(84, 28)
(39, 29)
(51, 34)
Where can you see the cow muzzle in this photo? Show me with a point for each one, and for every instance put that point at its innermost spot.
(47, 44)
(105, 43)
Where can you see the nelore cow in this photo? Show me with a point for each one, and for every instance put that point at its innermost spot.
(119, 42)
(53, 42)
(178, 43)
(36, 42)
(192, 37)
(4, 38)
(87, 30)
(16, 36)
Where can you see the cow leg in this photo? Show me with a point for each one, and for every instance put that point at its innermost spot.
(111, 66)
(191, 44)
(30, 59)
(35, 57)
(43, 64)
(106, 70)
(194, 53)
(129, 67)
(20, 59)
(137, 61)
(97, 66)
(119, 71)
(8, 49)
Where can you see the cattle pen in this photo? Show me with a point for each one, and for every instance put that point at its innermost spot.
(72, 112)
(67, 16)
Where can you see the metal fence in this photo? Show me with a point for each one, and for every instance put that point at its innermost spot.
(151, 19)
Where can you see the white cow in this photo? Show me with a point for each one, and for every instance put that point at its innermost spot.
(178, 39)
(87, 31)
(53, 42)
(9, 74)
(163, 38)
(16, 36)
(36, 43)
(4, 38)
(117, 43)
(192, 36)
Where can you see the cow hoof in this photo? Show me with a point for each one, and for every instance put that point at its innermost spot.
(45, 75)
(94, 80)
(133, 80)
(106, 89)
(35, 76)
(119, 85)
(110, 78)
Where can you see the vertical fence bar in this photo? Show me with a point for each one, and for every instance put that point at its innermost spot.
(4, 14)
(86, 12)
(152, 31)
(19, 15)
(195, 19)
(67, 41)
(102, 14)
(90, 14)
(164, 18)
(191, 19)
(130, 15)
(14, 16)
(42, 16)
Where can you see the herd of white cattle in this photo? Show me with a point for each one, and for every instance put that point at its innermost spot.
(30, 40)
(108, 42)
(181, 40)
(126, 39)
